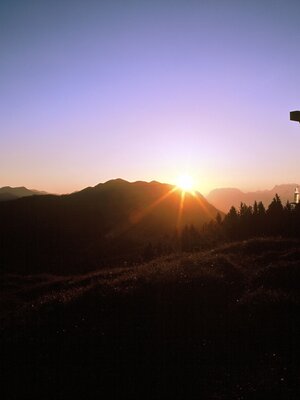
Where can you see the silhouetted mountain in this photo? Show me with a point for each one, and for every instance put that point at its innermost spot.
(12, 193)
(7, 197)
(108, 223)
(224, 198)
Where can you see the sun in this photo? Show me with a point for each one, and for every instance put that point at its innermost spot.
(185, 183)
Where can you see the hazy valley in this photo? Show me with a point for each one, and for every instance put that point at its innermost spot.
(224, 198)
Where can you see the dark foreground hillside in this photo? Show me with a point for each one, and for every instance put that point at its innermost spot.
(220, 324)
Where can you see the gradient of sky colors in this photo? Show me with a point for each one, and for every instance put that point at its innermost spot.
(143, 90)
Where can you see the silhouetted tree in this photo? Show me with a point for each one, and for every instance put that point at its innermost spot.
(219, 219)
(190, 239)
(288, 220)
(261, 209)
(255, 209)
(245, 225)
(231, 224)
(275, 216)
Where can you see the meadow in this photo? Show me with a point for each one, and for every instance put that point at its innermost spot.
(213, 324)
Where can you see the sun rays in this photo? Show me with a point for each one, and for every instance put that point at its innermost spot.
(185, 185)
(180, 210)
(138, 216)
(182, 192)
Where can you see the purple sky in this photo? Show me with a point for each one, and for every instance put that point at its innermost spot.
(147, 90)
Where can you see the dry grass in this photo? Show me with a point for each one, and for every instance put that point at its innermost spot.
(220, 324)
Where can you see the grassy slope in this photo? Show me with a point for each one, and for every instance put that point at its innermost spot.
(222, 324)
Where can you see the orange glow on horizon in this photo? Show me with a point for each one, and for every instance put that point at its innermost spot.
(141, 214)
(138, 216)
(185, 183)
(202, 205)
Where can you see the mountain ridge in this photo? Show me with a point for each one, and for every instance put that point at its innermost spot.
(12, 193)
(224, 198)
(108, 223)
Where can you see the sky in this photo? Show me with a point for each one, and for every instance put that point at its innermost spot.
(148, 90)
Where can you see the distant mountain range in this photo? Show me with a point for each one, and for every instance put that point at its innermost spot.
(103, 224)
(224, 198)
(12, 193)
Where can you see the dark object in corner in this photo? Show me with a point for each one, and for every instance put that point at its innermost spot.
(295, 116)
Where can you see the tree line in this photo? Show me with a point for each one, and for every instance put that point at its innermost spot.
(238, 224)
